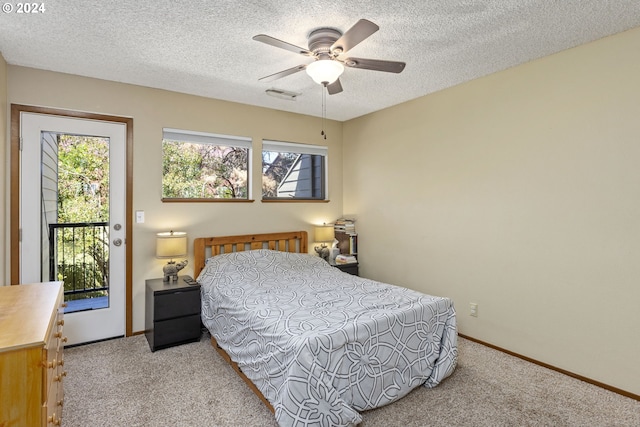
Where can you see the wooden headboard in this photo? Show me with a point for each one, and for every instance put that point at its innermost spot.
(205, 247)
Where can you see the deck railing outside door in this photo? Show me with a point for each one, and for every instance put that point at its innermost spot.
(79, 256)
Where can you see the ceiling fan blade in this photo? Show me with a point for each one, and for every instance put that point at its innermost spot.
(283, 73)
(335, 87)
(354, 35)
(375, 64)
(282, 45)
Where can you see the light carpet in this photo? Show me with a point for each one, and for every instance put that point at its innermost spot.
(122, 383)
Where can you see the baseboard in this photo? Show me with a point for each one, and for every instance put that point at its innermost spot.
(93, 342)
(553, 368)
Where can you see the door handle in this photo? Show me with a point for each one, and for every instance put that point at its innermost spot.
(117, 242)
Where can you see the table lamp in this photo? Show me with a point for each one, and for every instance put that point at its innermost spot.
(323, 234)
(171, 245)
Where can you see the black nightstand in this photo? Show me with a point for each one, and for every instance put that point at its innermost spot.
(348, 268)
(172, 313)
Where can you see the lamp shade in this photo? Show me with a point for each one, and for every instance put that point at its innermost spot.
(325, 71)
(171, 244)
(324, 233)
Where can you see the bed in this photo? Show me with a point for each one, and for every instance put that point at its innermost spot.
(317, 345)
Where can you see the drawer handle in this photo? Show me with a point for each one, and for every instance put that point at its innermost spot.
(61, 322)
(52, 419)
(64, 305)
(65, 339)
(58, 378)
(60, 402)
(60, 363)
(51, 364)
(58, 335)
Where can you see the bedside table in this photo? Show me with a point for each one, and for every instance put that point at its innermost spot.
(348, 268)
(172, 313)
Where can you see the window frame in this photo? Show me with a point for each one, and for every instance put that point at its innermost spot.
(298, 148)
(197, 137)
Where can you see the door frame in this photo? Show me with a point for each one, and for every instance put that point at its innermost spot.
(16, 110)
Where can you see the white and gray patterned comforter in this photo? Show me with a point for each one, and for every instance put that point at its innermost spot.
(321, 344)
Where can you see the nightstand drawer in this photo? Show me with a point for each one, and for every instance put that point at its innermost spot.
(176, 304)
(170, 332)
(348, 268)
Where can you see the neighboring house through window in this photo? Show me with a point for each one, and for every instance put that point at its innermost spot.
(293, 171)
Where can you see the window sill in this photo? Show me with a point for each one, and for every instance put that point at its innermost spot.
(171, 200)
(294, 201)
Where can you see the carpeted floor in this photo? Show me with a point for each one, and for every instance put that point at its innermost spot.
(122, 383)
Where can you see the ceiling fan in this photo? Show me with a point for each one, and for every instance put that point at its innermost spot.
(325, 46)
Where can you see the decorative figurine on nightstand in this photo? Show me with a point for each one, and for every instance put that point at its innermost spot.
(171, 270)
(322, 251)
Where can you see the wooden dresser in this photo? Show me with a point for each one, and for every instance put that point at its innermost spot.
(31, 355)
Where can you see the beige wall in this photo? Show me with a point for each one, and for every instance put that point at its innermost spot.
(152, 110)
(520, 192)
(4, 175)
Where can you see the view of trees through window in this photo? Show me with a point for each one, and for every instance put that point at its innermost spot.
(83, 179)
(201, 171)
(80, 231)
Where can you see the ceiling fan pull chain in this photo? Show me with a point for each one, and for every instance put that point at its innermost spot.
(324, 108)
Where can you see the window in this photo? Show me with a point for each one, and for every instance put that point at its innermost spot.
(204, 166)
(293, 171)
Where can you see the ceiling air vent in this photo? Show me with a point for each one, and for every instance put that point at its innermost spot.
(282, 94)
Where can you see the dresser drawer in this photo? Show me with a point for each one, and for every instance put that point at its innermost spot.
(50, 359)
(181, 329)
(52, 413)
(177, 303)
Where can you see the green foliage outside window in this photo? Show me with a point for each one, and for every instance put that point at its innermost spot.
(201, 171)
(83, 179)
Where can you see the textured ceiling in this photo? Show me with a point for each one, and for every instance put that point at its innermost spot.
(205, 47)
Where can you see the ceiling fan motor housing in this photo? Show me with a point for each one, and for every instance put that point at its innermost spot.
(321, 40)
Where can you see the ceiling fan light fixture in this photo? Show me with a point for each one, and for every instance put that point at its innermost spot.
(325, 71)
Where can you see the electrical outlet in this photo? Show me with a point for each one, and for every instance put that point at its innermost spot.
(139, 217)
(473, 309)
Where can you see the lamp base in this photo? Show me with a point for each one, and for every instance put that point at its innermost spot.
(171, 270)
(171, 279)
(323, 252)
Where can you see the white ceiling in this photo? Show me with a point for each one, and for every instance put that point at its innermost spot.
(205, 47)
